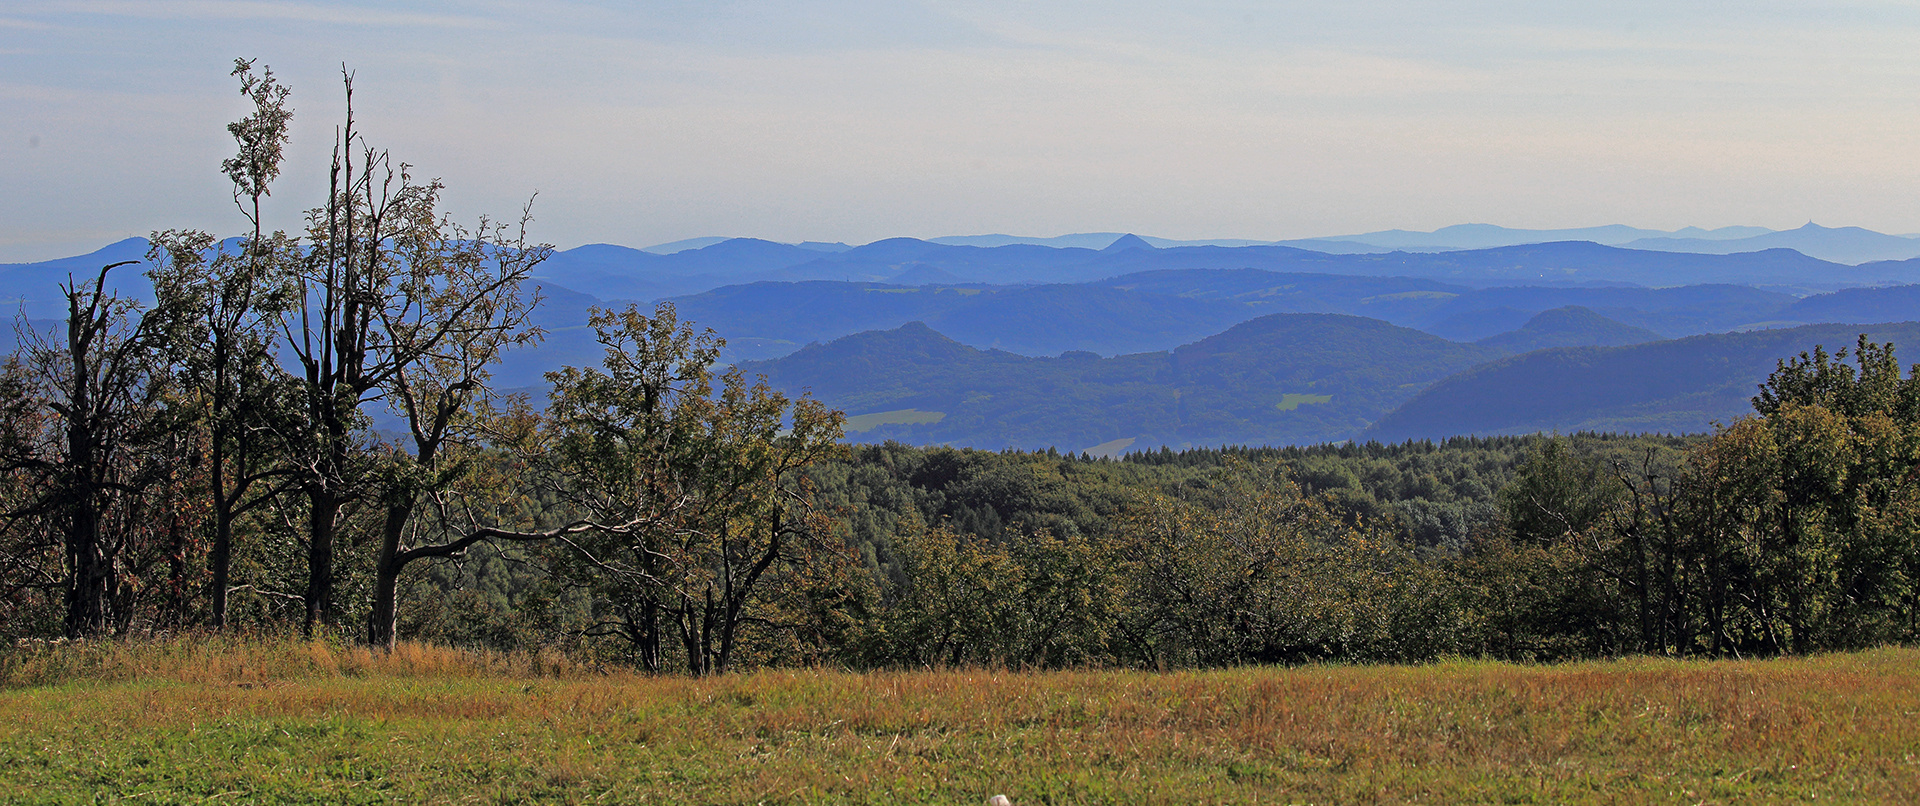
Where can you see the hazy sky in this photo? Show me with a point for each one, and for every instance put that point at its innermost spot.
(852, 120)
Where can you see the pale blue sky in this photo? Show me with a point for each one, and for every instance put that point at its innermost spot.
(854, 120)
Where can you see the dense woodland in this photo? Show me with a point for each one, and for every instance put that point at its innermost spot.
(302, 433)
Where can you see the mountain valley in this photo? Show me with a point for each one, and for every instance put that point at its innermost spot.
(994, 342)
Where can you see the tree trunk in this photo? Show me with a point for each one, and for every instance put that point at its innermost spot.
(651, 656)
(221, 559)
(90, 586)
(323, 510)
(179, 599)
(88, 589)
(382, 623)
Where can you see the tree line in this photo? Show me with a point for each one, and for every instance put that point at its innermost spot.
(301, 432)
(213, 458)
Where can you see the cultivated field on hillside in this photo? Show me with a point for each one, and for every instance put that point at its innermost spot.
(279, 721)
(867, 422)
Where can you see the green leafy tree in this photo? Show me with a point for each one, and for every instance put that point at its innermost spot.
(695, 491)
(1036, 600)
(471, 281)
(373, 309)
(1246, 568)
(219, 308)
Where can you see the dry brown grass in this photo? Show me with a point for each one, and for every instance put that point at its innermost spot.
(199, 658)
(295, 722)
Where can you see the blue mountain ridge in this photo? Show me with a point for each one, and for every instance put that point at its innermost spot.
(1127, 324)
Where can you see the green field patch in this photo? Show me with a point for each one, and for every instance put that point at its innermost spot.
(1111, 449)
(1409, 295)
(310, 723)
(1290, 401)
(965, 292)
(867, 422)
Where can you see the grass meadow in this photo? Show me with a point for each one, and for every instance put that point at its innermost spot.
(867, 422)
(281, 721)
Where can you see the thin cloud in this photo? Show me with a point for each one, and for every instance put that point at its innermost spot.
(246, 10)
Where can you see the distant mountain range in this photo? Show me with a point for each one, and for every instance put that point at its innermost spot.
(33, 289)
(1840, 244)
(1571, 326)
(1298, 378)
(1124, 341)
(1850, 245)
(1163, 309)
(614, 272)
(1487, 236)
(1677, 386)
(1276, 379)
(611, 272)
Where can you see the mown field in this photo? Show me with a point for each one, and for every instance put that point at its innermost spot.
(290, 722)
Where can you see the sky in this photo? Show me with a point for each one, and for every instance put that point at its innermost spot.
(853, 120)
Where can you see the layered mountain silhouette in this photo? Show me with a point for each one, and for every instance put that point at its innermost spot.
(1130, 340)
(1571, 326)
(1296, 378)
(1276, 379)
(1159, 310)
(621, 273)
(1487, 236)
(1459, 236)
(33, 289)
(1886, 304)
(1678, 386)
(1125, 242)
(1838, 244)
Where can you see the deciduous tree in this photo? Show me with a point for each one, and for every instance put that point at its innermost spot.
(697, 488)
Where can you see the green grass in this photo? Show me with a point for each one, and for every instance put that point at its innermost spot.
(1404, 295)
(299, 723)
(1291, 401)
(867, 422)
(1111, 448)
(965, 292)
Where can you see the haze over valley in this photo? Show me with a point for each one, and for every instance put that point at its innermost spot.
(1107, 343)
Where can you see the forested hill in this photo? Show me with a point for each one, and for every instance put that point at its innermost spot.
(1300, 379)
(769, 299)
(1277, 379)
(1178, 346)
(768, 319)
(1678, 386)
(1161, 310)
(1570, 326)
(33, 289)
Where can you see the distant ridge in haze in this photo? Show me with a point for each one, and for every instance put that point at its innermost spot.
(34, 288)
(1278, 379)
(1078, 240)
(1487, 236)
(1679, 386)
(1458, 236)
(682, 245)
(1851, 245)
(1084, 240)
(1571, 326)
(1884, 304)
